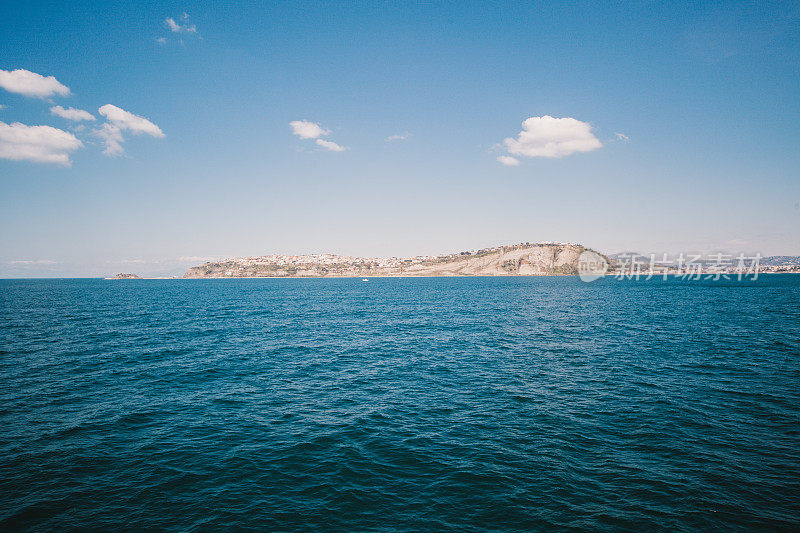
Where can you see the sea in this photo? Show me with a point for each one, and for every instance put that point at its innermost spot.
(400, 404)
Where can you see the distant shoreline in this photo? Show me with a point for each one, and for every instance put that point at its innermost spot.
(612, 275)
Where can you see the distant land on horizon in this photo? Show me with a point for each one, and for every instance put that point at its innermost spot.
(525, 259)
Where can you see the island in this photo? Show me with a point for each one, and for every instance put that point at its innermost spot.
(126, 276)
(525, 259)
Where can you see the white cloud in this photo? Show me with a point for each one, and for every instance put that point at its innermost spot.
(311, 130)
(112, 138)
(622, 137)
(3, 106)
(553, 137)
(41, 144)
(71, 113)
(308, 130)
(176, 27)
(33, 262)
(161, 40)
(31, 84)
(508, 161)
(120, 120)
(399, 137)
(330, 145)
(130, 122)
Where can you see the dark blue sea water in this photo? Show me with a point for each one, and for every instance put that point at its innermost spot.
(400, 404)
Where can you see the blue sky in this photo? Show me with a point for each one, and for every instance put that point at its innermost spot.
(706, 98)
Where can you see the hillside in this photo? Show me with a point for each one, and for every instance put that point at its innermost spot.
(518, 260)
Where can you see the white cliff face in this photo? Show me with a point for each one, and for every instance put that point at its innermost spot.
(529, 261)
(518, 260)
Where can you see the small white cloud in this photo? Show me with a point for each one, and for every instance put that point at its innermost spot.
(398, 137)
(307, 130)
(33, 262)
(2, 107)
(311, 130)
(31, 84)
(76, 115)
(180, 28)
(547, 136)
(508, 161)
(330, 145)
(40, 144)
(130, 122)
(112, 138)
(120, 120)
(622, 137)
(161, 40)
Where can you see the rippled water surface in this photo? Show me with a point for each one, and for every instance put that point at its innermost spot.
(400, 404)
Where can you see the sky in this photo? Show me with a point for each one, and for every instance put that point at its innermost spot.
(152, 136)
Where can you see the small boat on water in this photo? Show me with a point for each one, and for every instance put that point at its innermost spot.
(364, 279)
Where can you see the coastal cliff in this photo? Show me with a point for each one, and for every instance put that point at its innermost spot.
(539, 259)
